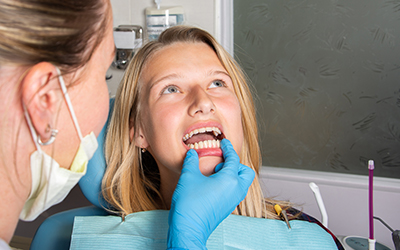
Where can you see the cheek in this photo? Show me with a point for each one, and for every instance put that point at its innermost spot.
(160, 127)
(164, 119)
(157, 125)
(99, 105)
(93, 105)
(232, 113)
(237, 141)
(103, 114)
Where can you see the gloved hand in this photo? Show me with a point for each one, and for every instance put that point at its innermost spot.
(200, 203)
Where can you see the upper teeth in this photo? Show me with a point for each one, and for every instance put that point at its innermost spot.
(215, 130)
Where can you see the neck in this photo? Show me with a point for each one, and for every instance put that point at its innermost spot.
(168, 185)
(11, 204)
(15, 183)
(15, 148)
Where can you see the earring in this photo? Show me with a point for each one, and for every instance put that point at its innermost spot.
(52, 138)
(143, 150)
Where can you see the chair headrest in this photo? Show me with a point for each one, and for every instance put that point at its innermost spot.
(90, 183)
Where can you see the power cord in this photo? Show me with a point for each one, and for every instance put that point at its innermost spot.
(395, 233)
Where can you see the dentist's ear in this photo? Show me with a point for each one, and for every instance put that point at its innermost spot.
(42, 97)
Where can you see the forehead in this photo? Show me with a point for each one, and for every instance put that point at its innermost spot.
(185, 49)
(179, 56)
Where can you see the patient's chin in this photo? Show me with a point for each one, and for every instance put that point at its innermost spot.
(208, 163)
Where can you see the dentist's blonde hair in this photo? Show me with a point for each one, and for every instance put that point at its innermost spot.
(131, 181)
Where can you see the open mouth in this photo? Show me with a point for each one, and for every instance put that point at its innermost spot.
(208, 137)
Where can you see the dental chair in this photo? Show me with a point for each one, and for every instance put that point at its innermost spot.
(55, 232)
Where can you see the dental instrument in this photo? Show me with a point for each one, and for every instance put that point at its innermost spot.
(371, 240)
(320, 203)
(282, 213)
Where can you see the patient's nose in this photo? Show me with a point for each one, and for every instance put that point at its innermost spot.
(201, 103)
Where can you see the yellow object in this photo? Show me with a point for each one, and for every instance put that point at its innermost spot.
(278, 209)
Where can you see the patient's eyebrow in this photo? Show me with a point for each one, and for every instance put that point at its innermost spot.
(164, 78)
(218, 72)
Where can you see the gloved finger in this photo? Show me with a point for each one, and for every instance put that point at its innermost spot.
(191, 162)
(247, 175)
(231, 158)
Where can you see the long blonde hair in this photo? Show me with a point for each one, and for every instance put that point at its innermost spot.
(131, 181)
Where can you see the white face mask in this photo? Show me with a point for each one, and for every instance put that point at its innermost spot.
(50, 182)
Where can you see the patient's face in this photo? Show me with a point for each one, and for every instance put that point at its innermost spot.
(189, 103)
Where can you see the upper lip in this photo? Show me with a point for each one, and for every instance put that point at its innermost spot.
(214, 127)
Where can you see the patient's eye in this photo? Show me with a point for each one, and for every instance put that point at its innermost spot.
(217, 84)
(170, 90)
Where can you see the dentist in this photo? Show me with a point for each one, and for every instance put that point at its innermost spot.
(54, 55)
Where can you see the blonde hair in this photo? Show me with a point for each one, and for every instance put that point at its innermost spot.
(131, 181)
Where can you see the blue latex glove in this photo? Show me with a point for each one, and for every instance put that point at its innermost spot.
(200, 203)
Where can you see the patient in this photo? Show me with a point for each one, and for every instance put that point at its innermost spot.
(180, 92)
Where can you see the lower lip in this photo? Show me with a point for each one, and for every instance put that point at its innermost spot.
(209, 152)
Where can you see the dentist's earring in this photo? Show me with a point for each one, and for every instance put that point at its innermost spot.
(52, 138)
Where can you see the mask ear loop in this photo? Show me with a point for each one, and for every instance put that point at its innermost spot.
(69, 104)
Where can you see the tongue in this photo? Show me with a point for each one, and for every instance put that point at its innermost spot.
(200, 137)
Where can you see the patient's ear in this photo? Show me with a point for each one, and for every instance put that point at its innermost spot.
(140, 139)
(42, 97)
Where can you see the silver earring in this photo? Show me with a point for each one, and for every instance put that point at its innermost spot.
(52, 138)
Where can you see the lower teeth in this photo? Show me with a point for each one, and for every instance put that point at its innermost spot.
(205, 144)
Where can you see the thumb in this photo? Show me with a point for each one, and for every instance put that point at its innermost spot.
(218, 167)
(231, 158)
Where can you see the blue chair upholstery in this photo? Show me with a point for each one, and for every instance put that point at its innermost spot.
(90, 184)
(55, 232)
